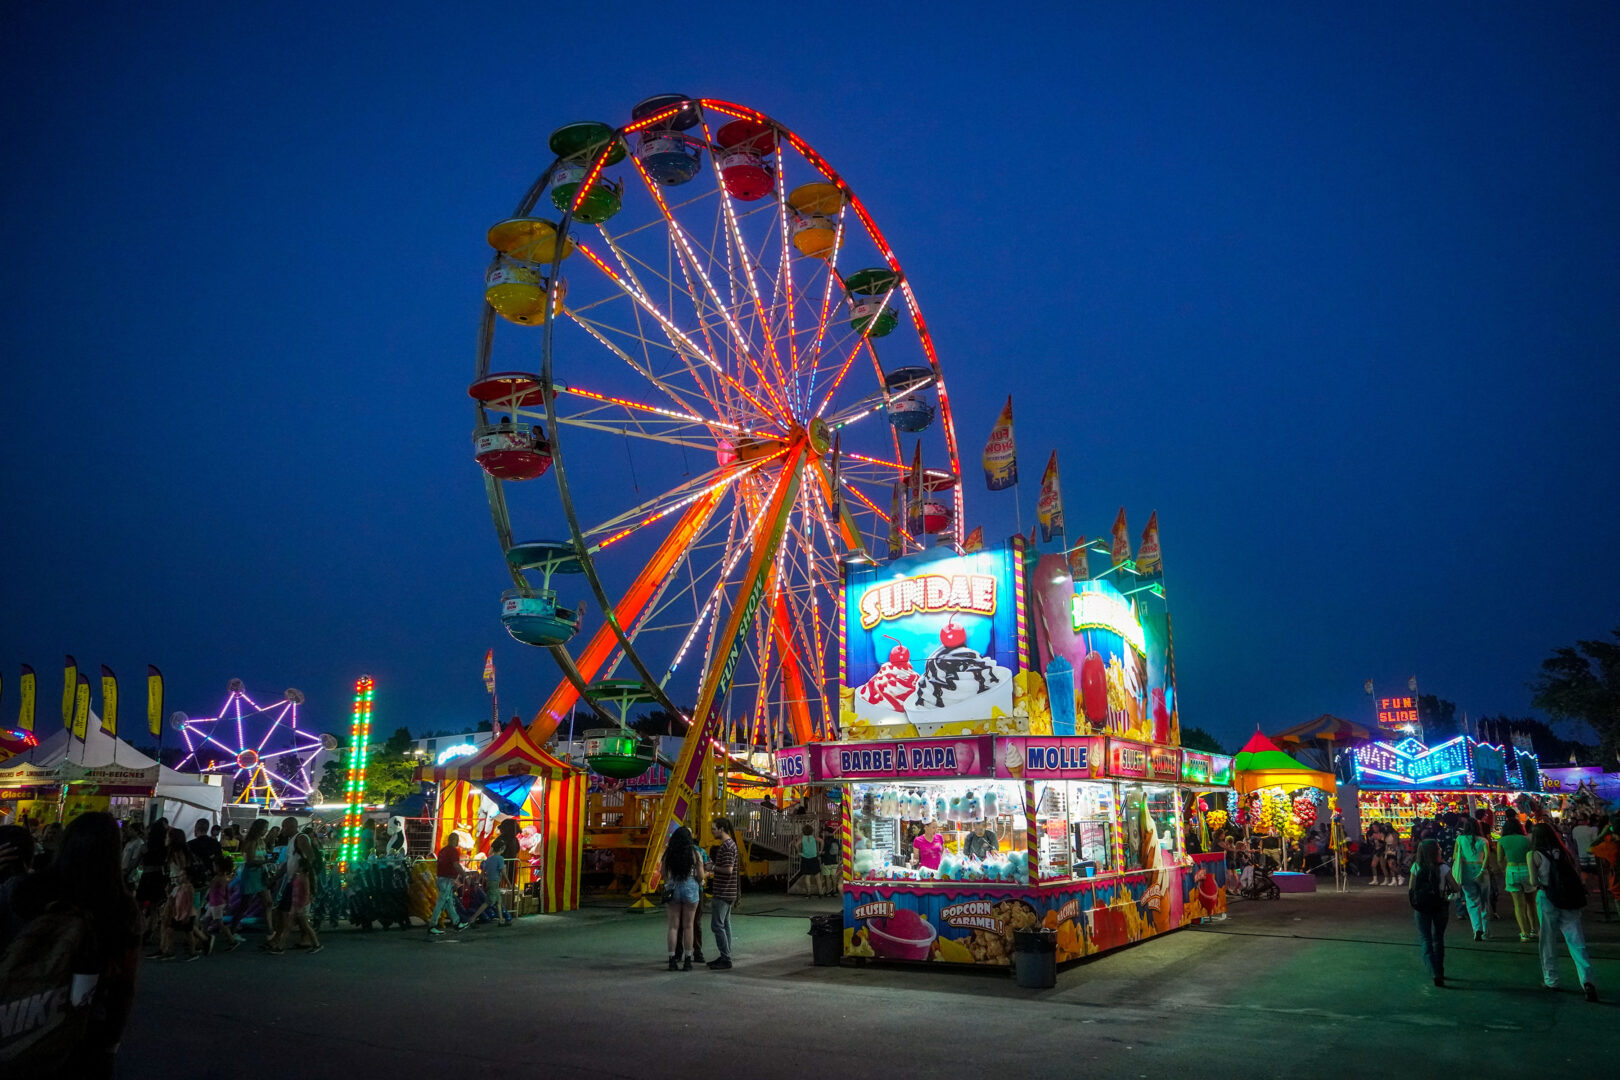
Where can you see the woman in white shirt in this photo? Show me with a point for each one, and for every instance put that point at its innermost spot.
(1546, 852)
(1473, 850)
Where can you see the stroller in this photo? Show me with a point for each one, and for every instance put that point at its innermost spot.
(1257, 871)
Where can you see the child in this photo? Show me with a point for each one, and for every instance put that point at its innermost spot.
(215, 903)
(180, 913)
(494, 878)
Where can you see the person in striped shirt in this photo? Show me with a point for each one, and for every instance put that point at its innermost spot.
(725, 887)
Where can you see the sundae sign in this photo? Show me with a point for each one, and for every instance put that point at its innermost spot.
(930, 644)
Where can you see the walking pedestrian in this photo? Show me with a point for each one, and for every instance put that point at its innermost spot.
(809, 862)
(152, 889)
(297, 889)
(448, 870)
(253, 880)
(723, 891)
(1515, 850)
(1428, 894)
(202, 847)
(1394, 851)
(683, 882)
(1560, 895)
(1472, 851)
(129, 859)
(494, 872)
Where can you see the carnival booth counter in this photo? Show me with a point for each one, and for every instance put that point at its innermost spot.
(512, 786)
(1402, 782)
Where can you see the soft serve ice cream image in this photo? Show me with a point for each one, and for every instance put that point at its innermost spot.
(886, 693)
(958, 683)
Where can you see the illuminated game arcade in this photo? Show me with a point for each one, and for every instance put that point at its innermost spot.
(1056, 801)
(1404, 781)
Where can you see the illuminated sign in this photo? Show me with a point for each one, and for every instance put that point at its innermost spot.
(1164, 763)
(1197, 768)
(1395, 711)
(793, 765)
(1129, 760)
(973, 594)
(450, 753)
(1459, 763)
(912, 758)
(1108, 611)
(1050, 758)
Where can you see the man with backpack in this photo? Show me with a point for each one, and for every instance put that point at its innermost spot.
(1560, 896)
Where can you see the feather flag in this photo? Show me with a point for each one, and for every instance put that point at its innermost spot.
(81, 706)
(1033, 530)
(70, 682)
(1049, 507)
(837, 494)
(489, 671)
(25, 707)
(109, 701)
(1080, 562)
(1122, 540)
(914, 493)
(974, 541)
(1001, 452)
(1148, 558)
(154, 700)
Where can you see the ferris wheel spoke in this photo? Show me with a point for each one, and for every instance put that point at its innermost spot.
(661, 506)
(271, 730)
(677, 335)
(676, 393)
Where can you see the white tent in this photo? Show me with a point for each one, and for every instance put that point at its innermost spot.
(100, 759)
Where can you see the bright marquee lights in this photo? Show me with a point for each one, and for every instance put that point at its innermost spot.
(354, 791)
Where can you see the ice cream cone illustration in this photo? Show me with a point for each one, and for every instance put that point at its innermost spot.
(1013, 759)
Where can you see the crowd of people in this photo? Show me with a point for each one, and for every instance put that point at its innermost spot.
(1463, 865)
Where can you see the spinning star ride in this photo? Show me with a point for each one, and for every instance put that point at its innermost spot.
(725, 365)
(261, 748)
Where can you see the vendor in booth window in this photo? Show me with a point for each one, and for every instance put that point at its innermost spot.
(982, 843)
(929, 847)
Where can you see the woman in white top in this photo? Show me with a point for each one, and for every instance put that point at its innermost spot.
(1546, 852)
(1473, 850)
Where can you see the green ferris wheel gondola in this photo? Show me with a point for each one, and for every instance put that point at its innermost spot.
(871, 303)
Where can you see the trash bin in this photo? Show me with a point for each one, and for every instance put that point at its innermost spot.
(1035, 958)
(827, 939)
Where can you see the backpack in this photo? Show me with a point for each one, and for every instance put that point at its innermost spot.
(40, 1025)
(1566, 890)
(1424, 893)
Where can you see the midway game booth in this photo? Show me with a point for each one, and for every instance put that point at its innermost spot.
(1023, 726)
(513, 786)
(1401, 782)
(1281, 797)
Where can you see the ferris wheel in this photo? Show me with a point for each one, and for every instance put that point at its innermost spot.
(698, 329)
(267, 757)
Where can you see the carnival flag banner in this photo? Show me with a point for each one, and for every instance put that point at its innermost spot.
(974, 541)
(70, 682)
(1148, 559)
(81, 706)
(25, 707)
(914, 493)
(1001, 452)
(1080, 562)
(1122, 540)
(154, 701)
(1049, 507)
(109, 701)
(489, 671)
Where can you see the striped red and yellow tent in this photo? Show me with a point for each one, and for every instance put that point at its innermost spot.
(555, 804)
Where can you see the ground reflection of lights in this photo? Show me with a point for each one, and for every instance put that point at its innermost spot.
(266, 756)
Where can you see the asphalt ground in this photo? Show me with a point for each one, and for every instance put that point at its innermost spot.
(1327, 984)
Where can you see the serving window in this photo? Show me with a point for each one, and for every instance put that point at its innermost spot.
(1149, 816)
(1075, 821)
(970, 830)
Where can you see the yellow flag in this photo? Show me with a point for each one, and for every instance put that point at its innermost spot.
(974, 541)
(1049, 507)
(70, 681)
(25, 708)
(1080, 562)
(109, 701)
(1001, 452)
(154, 699)
(1122, 540)
(81, 706)
(1148, 559)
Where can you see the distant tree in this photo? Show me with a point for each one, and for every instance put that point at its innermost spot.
(1550, 747)
(1197, 738)
(400, 742)
(1439, 718)
(391, 771)
(1583, 683)
(334, 779)
(658, 722)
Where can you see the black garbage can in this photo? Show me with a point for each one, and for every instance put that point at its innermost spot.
(1035, 958)
(826, 940)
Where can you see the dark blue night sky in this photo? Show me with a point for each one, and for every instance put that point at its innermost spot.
(1333, 289)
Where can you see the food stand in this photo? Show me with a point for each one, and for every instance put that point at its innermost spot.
(1080, 787)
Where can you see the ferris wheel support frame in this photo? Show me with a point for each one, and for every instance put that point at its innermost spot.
(682, 790)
